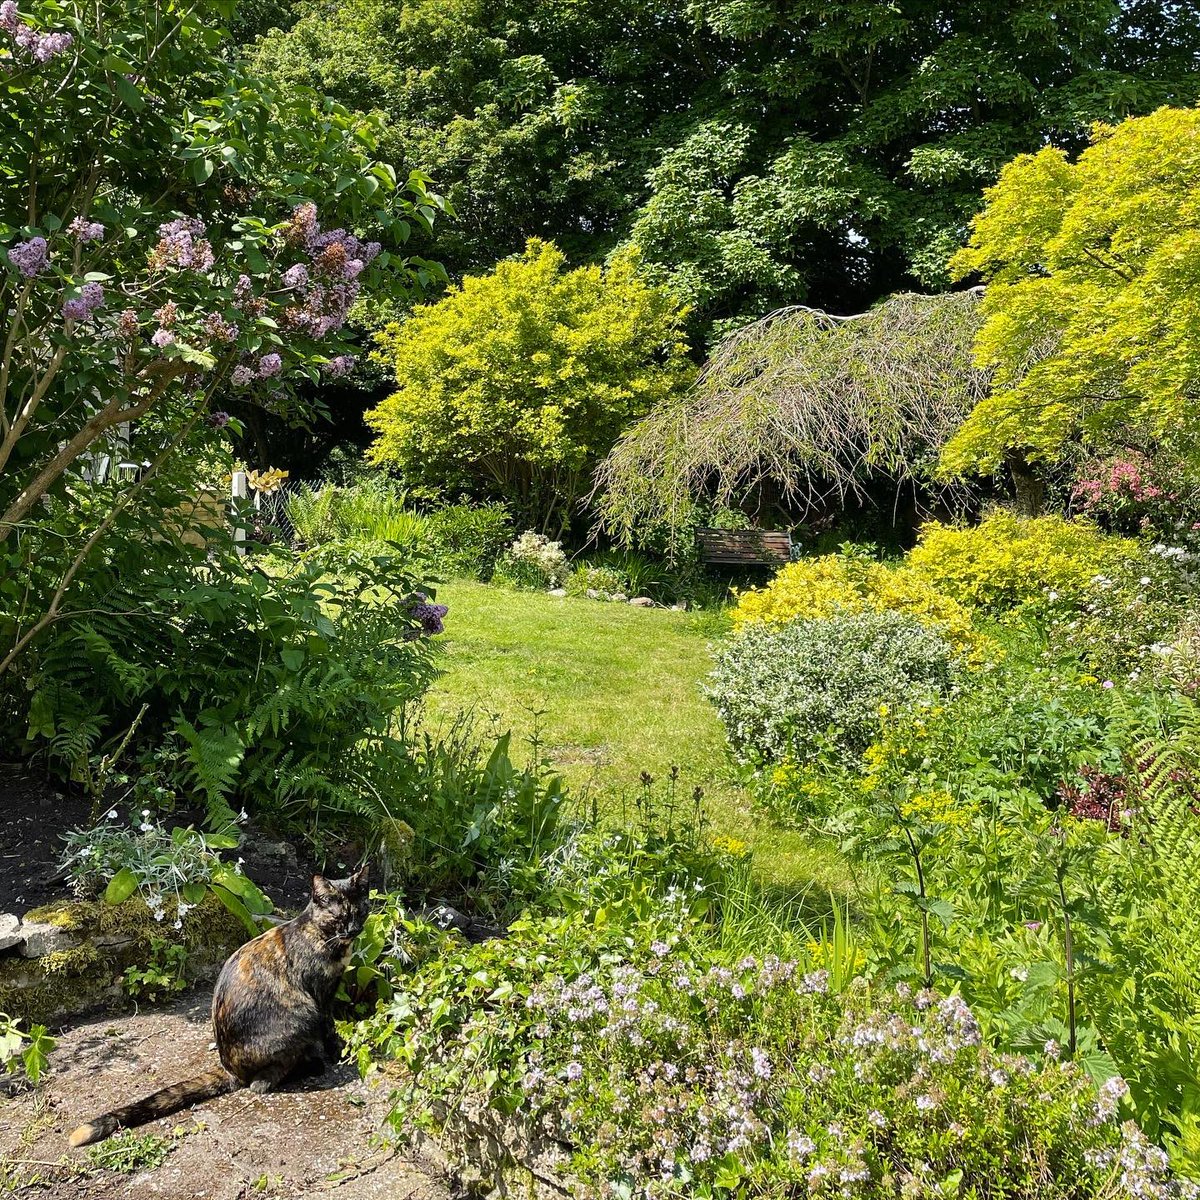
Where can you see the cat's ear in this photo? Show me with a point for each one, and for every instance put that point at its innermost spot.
(322, 889)
(358, 881)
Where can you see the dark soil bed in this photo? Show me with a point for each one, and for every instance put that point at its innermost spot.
(35, 813)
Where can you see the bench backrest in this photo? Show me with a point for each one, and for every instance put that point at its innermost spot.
(756, 546)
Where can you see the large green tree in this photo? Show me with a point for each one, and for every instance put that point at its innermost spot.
(1092, 313)
(515, 385)
(538, 118)
(756, 151)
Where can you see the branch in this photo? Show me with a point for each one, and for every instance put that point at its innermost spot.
(13, 434)
(9, 343)
(52, 611)
(106, 418)
(1108, 266)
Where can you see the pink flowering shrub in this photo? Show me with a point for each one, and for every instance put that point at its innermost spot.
(1134, 493)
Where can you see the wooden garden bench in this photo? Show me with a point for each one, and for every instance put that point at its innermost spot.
(744, 547)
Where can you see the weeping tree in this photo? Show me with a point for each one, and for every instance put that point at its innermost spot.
(811, 407)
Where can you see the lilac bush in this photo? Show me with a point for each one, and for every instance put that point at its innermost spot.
(173, 234)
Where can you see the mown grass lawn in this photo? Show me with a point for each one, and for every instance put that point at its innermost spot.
(612, 691)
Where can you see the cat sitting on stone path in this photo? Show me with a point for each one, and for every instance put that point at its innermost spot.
(271, 1009)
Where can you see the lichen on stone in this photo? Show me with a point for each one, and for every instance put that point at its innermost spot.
(111, 938)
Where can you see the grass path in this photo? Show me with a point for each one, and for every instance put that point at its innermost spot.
(614, 691)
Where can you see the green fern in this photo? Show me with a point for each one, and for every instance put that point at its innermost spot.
(1144, 994)
(213, 756)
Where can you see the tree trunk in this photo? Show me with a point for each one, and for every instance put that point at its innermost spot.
(1029, 488)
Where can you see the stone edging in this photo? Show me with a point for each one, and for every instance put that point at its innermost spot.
(67, 958)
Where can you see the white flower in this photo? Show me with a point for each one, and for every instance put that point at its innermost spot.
(1112, 1091)
(145, 827)
(799, 1145)
(112, 816)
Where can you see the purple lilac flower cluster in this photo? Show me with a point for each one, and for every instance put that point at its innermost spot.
(327, 285)
(81, 307)
(84, 231)
(182, 243)
(339, 366)
(427, 615)
(219, 330)
(30, 42)
(166, 316)
(30, 257)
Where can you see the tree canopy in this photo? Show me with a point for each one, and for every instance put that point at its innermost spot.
(814, 404)
(515, 384)
(1092, 316)
(758, 154)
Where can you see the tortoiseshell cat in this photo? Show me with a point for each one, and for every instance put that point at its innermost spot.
(271, 1007)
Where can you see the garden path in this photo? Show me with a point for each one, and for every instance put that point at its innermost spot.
(315, 1140)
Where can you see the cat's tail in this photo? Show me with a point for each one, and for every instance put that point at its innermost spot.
(216, 1081)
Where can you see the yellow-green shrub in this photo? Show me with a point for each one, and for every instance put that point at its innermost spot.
(815, 588)
(1007, 561)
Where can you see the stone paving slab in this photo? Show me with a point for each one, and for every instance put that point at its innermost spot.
(315, 1138)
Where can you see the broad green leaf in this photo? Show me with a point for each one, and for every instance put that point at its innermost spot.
(121, 886)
